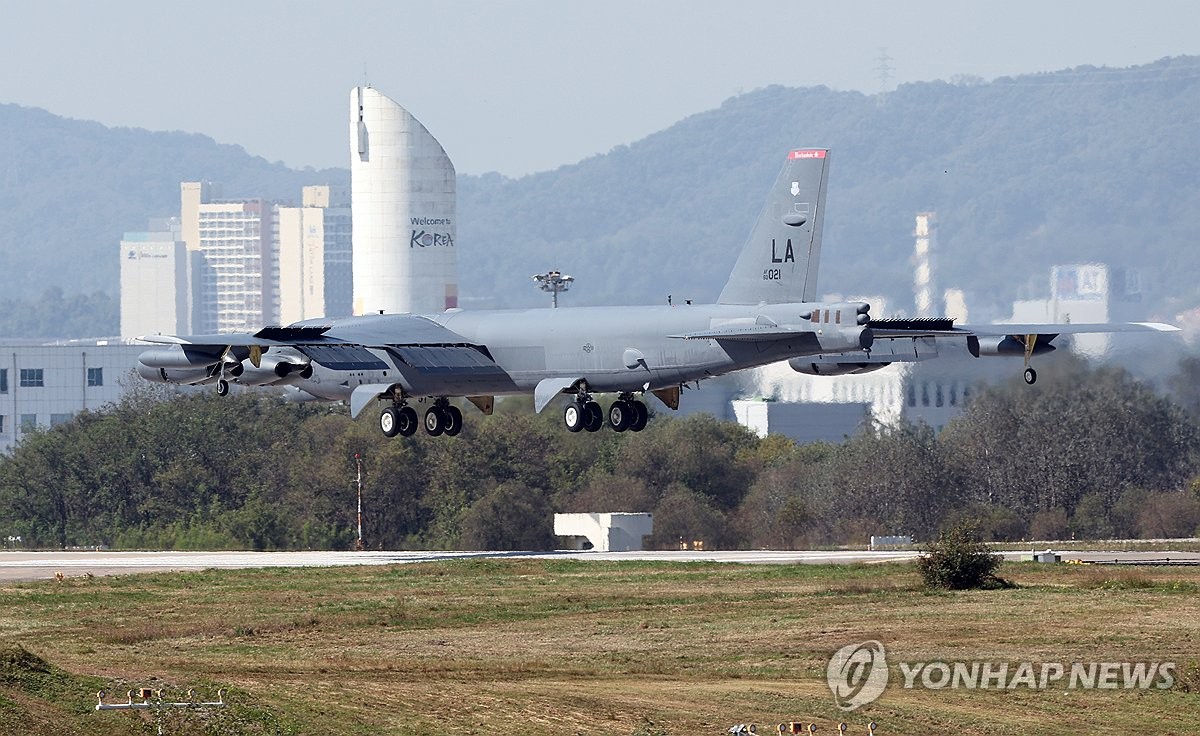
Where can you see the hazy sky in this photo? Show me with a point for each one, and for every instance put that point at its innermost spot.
(517, 87)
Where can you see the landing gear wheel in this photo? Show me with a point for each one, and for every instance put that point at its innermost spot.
(574, 416)
(1030, 376)
(595, 416)
(435, 422)
(621, 415)
(222, 387)
(453, 420)
(406, 421)
(389, 422)
(640, 416)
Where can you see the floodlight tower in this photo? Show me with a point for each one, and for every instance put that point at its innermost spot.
(553, 282)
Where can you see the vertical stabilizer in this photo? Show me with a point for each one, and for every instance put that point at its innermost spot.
(779, 261)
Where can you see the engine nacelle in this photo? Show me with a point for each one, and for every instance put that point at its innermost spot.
(1004, 346)
(273, 369)
(845, 339)
(176, 364)
(809, 368)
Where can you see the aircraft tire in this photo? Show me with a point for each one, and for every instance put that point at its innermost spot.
(406, 421)
(389, 422)
(1030, 376)
(574, 416)
(435, 421)
(641, 415)
(595, 416)
(454, 421)
(620, 415)
(222, 387)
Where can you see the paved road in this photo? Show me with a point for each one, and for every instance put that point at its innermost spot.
(44, 565)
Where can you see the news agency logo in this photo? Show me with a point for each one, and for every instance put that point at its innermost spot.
(857, 674)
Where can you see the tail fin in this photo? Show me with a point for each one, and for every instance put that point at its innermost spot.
(779, 261)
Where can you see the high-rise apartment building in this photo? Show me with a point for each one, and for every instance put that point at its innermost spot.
(234, 241)
(314, 256)
(157, 273)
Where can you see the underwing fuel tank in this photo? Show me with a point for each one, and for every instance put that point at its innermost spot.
(809, 368)
(1003, 345)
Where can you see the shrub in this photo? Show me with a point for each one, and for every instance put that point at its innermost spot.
(959, 561)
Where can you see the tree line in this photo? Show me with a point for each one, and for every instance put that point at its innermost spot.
(1088, 453)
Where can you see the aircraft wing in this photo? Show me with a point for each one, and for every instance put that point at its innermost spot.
(407, 351)
(941, 327)
(1067, 329)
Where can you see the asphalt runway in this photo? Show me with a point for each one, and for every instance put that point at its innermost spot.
(19, 565)
(15, 565)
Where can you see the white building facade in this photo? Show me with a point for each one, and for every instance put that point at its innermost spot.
(403, 208)
(42, 386)
(156, 284)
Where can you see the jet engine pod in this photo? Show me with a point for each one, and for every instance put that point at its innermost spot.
(809, 368)
(274, 369)
(176, 364)
(177, 356)
(1003, 345)
(186, 376)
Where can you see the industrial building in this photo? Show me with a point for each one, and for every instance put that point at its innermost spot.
(45, 385)
(404, 200)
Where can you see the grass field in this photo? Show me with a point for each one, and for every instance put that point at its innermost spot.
(563, 647)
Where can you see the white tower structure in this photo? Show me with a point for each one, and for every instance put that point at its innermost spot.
(403, 209)
(923, 286)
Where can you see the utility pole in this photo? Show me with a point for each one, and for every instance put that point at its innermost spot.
(358, 545)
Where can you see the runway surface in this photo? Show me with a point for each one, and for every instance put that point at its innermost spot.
(17, 565)
(42, 565)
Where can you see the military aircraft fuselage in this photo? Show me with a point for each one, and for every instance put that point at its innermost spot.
(612, 348)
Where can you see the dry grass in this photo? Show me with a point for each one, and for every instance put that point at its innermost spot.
(556, 647)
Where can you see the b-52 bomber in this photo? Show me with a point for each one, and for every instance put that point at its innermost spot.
(768, 312)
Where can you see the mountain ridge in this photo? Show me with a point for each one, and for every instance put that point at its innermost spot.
(1080, 165)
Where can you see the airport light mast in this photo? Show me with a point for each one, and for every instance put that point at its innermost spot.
(553, 282)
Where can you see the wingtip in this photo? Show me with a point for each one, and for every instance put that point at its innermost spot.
(1159, 326)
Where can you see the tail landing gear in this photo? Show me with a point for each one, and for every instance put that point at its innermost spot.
(583, 414)
(1030, 376)
(398, 420)
(626, 413)
(441, 418)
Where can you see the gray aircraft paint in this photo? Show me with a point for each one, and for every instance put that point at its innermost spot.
(766, 313)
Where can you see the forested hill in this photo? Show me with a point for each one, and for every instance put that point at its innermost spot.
(1074, 166)
(69, 189)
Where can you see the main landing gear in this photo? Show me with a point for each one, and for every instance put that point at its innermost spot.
(1030, 376)
(626, 413)
(441, 418)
